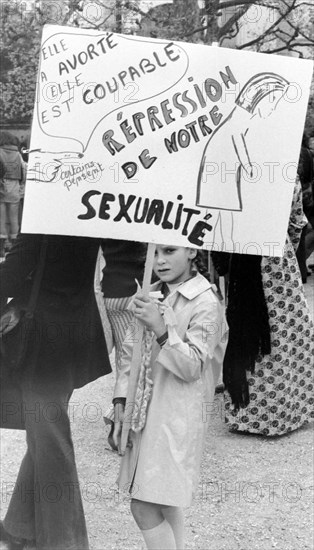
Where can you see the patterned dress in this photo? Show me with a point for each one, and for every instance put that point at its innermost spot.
(281, 388)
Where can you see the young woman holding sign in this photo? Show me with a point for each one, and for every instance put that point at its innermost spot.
(176, 390)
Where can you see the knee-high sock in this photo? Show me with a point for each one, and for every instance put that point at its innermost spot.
(174, 516)
(160, 537)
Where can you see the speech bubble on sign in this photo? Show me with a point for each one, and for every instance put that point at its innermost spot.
(83, 77)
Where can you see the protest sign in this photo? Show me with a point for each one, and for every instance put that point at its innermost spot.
(164, 142)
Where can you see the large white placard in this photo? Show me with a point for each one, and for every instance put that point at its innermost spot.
(172, 143)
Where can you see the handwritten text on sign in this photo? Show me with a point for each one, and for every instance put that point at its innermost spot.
(164, 142)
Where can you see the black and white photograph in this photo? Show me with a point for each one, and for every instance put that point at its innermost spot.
(156, 274)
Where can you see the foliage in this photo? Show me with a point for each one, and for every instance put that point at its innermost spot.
(18, 57)
(290, 30)
(288, 27)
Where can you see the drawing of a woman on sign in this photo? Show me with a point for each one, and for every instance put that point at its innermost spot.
(226, 159)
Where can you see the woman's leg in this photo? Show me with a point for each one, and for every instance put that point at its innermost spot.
(226, 224)
(216, 235)
(222, 235)
(21, 206)
(3, 221)
(46, 504)
(19, 521)
(155, 529)
(174, 516)
(13, 217)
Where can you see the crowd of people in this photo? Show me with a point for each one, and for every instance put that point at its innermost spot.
(263, 343)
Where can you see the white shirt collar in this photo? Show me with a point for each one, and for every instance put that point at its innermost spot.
(191, 288)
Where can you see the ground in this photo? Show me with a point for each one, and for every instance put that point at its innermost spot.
(254, 493)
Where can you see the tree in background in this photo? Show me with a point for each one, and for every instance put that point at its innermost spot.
(19, 52)
(272, 26)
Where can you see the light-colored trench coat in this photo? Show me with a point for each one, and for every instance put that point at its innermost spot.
(163, 464)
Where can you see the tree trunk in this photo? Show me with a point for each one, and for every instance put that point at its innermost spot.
(187, 14)
(212, 30)
(119, 23)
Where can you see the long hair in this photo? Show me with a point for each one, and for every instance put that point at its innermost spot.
(258, 87)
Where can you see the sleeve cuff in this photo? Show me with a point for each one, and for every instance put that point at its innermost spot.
(162, 339)
(121, 400)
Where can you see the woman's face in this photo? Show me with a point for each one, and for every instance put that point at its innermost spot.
(268, 104)
(172, 264)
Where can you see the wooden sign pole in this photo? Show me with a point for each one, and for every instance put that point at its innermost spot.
(137, 351)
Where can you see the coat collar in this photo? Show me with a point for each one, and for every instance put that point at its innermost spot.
(191, 288)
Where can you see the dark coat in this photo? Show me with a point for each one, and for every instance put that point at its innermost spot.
(68, 341)
(125, 262)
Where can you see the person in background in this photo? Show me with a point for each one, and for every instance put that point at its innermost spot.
(124, 266)
(268, 365)
(65, 350)
(186, 338)
(309, 238)
(306, 175)
(12, 178)
(311, 144)
(309, 247)
(24, 153)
